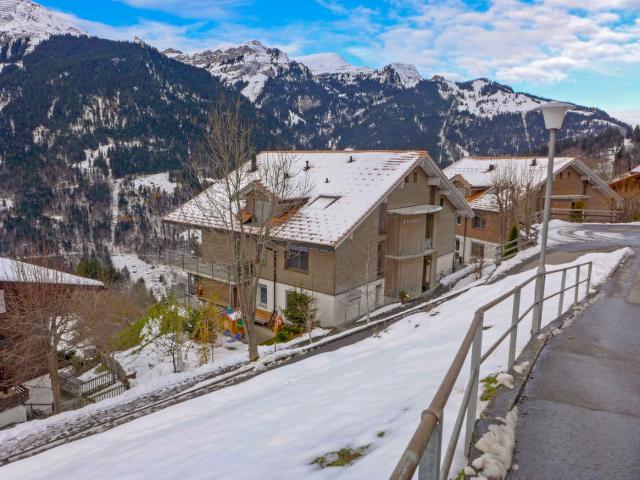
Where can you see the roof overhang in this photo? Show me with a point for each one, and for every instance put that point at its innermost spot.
(416, 210)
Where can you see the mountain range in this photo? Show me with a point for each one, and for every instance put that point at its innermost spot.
(79, 112)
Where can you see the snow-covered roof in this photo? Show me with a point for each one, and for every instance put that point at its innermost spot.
(479, 172)
(21, 272)
(353, 187)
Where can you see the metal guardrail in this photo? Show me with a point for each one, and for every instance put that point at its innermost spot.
(423, 451)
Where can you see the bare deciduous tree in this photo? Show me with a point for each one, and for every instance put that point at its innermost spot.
(513, 189)
(40, 324)
(246, 206)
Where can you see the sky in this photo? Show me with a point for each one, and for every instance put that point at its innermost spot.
(583, 51)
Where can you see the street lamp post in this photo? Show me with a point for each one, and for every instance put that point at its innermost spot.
(553, 113)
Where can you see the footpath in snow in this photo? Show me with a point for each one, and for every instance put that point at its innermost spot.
(365, 396)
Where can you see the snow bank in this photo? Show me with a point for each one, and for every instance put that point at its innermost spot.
(497, 447)
(275, 424)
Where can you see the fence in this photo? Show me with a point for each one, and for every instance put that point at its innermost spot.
(112, 392)
(424, 449)
(96, 383)
(195, 264)
(20, 395)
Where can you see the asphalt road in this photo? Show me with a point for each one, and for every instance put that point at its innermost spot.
(579, 416)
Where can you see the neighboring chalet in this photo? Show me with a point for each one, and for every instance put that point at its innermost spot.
(18, 280)
(628, 187)
(578, 194)
(372, 227)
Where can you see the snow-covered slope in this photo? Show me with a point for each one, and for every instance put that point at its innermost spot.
(320, 63)
(367, 397)
(28, 22)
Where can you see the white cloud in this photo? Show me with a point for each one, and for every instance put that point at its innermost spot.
(200, 9)
(632, 117)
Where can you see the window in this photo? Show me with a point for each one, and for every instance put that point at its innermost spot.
(458, 219)
(297, 258)
(262, 295)
(415, 177)
(406, 179)
(479, 222)
(477, 250)
(380, 262)
(457, 244)
(442, 202)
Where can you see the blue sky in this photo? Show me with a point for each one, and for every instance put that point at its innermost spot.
(584, 51)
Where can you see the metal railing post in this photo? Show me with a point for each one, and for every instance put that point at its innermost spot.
(575, 298)
(562, 288)
(589, 277)
(429, 466)
(476, 352)
(536, 319)
(513, 337)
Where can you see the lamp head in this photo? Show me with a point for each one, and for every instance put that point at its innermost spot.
(553, 113)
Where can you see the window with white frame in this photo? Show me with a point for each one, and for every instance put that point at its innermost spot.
(263, 295)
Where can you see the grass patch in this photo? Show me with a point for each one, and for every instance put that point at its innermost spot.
(380, 434)
(102, 368)
(490, 387)
(341, 458)
(284, 335)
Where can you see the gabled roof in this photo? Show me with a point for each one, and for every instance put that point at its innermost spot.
(478, 172)
(355, 181)
(15, 271)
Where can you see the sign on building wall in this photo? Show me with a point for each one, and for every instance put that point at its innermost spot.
(3, 307)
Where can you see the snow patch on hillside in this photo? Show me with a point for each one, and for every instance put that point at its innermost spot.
(157, 180)
(477, 98)
(157, 277)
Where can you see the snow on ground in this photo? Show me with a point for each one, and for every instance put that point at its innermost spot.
(273, 426)
(157, 180)
(150, 272)
(154, 372)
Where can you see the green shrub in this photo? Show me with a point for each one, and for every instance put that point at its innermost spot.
(513, 236)
(300, 311)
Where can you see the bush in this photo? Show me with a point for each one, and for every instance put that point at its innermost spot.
(300, 311)
(513, 236)
(577, 212)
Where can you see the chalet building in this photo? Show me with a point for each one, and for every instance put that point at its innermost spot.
(628, 187)
(373, 226)
(578, 194)
(18, 402)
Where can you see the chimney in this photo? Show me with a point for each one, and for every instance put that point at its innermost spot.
(326, 180)
(534, 162)
(254, 163)
(306, 165)
(350, 159)
(491, 168)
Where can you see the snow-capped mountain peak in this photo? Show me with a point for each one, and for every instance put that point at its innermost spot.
(329, 63)
(407, 74)
(252, 63)
(26, 21)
